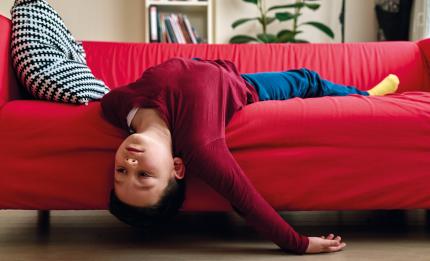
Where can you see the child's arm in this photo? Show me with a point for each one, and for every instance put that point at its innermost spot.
(219, 169)
(216, 165)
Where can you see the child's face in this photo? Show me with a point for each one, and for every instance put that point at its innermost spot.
(142, 175)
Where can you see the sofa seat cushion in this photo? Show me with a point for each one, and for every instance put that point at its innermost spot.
(337, 153)
(58, 155)
(351, 152)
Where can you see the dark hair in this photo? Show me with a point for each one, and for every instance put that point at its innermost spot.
(147, 218)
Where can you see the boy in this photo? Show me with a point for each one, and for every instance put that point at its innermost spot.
(178, 111)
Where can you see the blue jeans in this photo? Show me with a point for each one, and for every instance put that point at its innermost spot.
(301, 83)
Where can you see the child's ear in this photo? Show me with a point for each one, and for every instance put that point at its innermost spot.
(179, 168)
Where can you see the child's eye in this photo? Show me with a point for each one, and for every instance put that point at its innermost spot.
(143, 174)
(120, 170)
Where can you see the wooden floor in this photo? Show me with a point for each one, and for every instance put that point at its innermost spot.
(95, 235)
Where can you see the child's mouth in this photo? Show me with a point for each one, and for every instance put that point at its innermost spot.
(133, 149)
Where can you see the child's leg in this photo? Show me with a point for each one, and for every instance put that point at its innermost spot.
(296, 83)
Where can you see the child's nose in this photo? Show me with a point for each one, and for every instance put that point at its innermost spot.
(132, 161)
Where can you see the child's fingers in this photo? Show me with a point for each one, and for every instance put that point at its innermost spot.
(331, 237)
(331, 243)
(336, 248)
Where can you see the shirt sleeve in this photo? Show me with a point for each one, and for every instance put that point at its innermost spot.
(116, 105)
(216, 166)
(130, 117)
(143, 93)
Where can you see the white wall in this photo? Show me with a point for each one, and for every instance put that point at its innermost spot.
(420, 19)
(361, 23)
(122, 20)
(99, 20)
(5, 6)
(119, 20)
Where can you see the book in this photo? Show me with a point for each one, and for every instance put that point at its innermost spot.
(164, 36)
(190, 30)
(179, 34)
(184, 29)
(170, 30)
(153, 24)
(159, 28)
(198, 38)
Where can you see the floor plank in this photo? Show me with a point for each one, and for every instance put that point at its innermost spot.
(96, 235)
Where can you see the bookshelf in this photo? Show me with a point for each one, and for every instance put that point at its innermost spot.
(199, 14)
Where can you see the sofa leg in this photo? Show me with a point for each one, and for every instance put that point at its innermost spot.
(428, 219)
(43, 217)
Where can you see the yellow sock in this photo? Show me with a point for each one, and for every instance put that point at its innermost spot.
(386, 86)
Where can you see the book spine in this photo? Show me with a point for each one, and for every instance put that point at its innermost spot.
(184, 29)
(190, 29)
(198, 38)
(159, 27)
(153, 25)
(174, 30)
(163, 36)
(179, 34)
(167, 37)
(170, 31)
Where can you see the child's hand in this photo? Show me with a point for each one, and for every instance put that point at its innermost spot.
(324, 245)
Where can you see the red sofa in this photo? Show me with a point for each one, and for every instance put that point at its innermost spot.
(331, 153)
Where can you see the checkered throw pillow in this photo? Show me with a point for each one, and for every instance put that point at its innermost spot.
(46, 57)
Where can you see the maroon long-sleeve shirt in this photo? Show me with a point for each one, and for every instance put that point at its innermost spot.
(197, 99)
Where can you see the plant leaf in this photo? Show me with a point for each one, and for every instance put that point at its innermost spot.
(242, 39)
(287, 36)
(255, 2)
(300, 41)
(269, 20)
(296, 5)
(241, 21)
(286, 16)
(313, 6)
(267, 38)
(324, 28)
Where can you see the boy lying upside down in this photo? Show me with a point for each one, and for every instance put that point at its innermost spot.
(177, 113)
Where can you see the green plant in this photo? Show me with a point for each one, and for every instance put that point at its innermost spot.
(282, 14)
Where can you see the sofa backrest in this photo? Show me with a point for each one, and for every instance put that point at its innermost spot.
(358, 64)
(9, 89)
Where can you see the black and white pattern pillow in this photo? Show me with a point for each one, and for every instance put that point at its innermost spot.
(47, 59)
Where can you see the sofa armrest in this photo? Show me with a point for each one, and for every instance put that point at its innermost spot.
(9, 87)
(424, 46)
